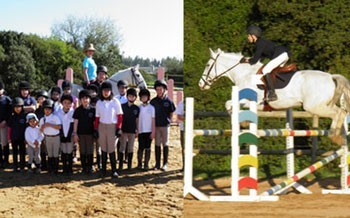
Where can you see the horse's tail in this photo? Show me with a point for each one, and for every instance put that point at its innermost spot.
(342, 88)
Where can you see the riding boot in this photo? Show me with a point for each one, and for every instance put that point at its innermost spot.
(113, 161)
(98, 161)
(6, 151)
(104, 163)
(64, 162)
(165, 158)
(70, 163)
(120, 158)
(15, 163)
(130, 156)
(49, 165)
(158, 151)
(271, 95)
(139, 158)
(56, 161)
(83, 162)
(90, 160)
(43, 161)
(147, 157)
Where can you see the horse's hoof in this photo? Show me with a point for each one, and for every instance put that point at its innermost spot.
(338, 139)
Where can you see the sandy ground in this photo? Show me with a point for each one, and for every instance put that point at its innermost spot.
(290, 205)
(135, 194)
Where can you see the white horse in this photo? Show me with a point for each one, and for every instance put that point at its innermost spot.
(317, 91)
(132, 75)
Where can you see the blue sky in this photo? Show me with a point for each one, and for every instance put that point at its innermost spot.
(150, 28)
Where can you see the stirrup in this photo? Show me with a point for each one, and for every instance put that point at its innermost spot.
(271, 97)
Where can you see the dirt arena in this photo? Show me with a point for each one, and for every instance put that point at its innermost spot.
(135, 194)
(290, 205)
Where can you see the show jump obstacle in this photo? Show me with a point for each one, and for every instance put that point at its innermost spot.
(250, 137)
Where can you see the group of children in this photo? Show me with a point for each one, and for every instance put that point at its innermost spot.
(50, 127)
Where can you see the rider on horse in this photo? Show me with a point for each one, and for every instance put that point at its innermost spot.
(277, 54)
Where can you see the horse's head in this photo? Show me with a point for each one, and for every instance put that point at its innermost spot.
(137, 78)
(132, 75)
(219, 64)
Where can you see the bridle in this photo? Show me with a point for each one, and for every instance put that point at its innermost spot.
(208, 80)
(135, 78)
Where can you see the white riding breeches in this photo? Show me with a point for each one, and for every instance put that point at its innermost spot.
(280, 60)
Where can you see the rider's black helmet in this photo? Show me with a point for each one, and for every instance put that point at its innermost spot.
(254, 30)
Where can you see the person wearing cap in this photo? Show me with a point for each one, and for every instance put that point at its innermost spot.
(5, 112)
(122, 87)
(89, 66)
(277, 54)
(84, 117)
(102, 75)
(17, 126)
(108, 121)
(66, 132)
(50, 125)
(164, 108)
(129, 128)
(55, 95)
(67, 90)
(29, 101)
(146, 129)
(33, 137)
(41, 96)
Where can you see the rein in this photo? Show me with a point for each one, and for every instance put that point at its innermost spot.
(208, 79)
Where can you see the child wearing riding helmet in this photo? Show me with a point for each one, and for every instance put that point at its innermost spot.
(146, 129)
(108, 121)
(122, 87)
(29, 101)
(17, 126)
(55, 94)
(33, 137)
(164, 108)
(5, 112)
(84, 117)
(41, 96)
(50, 125)
(278, 55)
(102, 75)
(66, 132)
(67, 90)
(129, 128)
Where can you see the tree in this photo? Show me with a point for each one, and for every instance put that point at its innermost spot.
(102, 32)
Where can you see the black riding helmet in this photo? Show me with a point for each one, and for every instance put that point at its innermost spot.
(66, 84)
(102, 68)
(42, 93)
(160, 82)
(106, 85)
(122, 83)
(67, 97)
(144, 92)
(2, 85)
(48, 103)
(17, 102)
(93, 87)
(254, 30)
(84, 93)
(131, 91)
(56, 89)
(24, 85)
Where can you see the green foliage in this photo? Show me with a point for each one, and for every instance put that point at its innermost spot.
(315, 32)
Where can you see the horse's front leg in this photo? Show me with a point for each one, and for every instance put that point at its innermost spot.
(337, 132)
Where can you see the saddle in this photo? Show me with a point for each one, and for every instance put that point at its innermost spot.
(281, 77)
